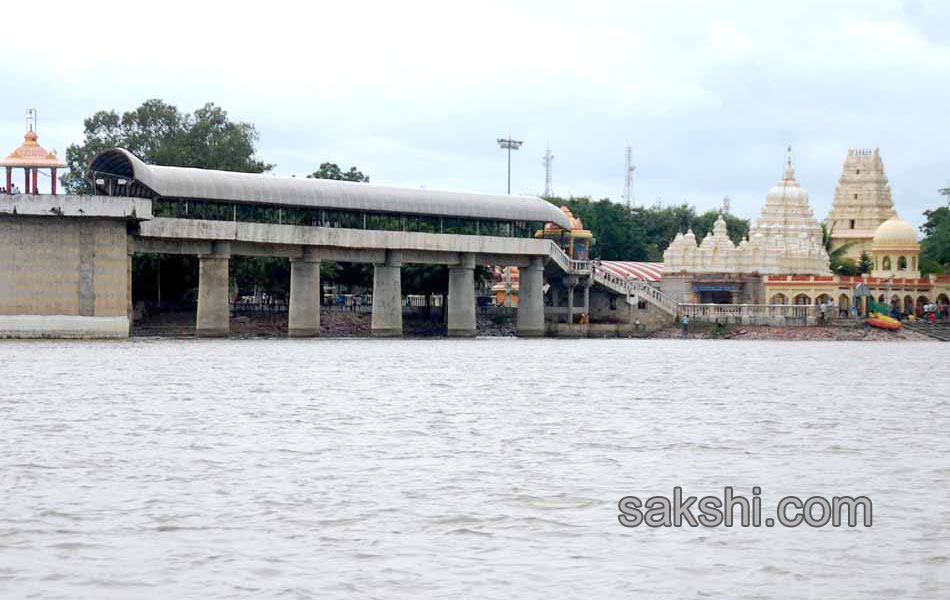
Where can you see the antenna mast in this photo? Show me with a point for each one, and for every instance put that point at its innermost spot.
(628, 180)
(31, 119)
(548, 159)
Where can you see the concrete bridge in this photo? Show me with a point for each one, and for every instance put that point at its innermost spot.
(66, 260)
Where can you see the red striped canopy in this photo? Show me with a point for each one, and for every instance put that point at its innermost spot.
(646, 271)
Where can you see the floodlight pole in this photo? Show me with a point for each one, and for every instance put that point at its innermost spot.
(509, 144)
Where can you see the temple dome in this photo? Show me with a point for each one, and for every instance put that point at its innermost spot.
(895, 232)
(785, 238)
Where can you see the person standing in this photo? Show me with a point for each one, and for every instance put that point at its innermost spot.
(685, 323)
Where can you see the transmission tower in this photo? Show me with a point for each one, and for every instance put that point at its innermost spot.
(548, 159)
(628, 180)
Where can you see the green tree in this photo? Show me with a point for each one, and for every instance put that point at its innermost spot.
(330, 170)
(210, 140)
(617, 233)
(840, 264)
(935, 247)
(865, 264)
(159, 134)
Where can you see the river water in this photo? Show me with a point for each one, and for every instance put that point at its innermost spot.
(486, 468)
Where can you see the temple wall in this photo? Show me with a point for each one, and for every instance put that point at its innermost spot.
(74, 269)
(679, 288)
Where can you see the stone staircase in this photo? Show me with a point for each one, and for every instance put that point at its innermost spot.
(939, 331)
(634, 289)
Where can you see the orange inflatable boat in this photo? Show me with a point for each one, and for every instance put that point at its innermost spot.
(883, 322)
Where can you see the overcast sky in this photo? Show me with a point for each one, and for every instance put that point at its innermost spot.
(708, 94)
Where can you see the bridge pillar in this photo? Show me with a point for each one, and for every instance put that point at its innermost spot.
(587, 285)
(214, 309)
(387, 297)
(461, 310)
(303, 319)
(530, 318)
(570, 303)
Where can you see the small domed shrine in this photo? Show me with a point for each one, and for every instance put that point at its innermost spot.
(31, 157)
(896, 249)
(575, 242)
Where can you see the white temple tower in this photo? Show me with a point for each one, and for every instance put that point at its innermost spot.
(785, 238)
(861, 204)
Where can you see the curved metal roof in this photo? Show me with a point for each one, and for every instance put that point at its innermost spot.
(251, 188)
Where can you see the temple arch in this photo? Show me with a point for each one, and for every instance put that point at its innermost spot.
(886, 263)
(902, 263)
(844, 301)
(802, 300)
(779, 299)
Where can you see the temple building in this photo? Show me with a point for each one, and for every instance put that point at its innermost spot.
(862, 202)
(575, 242)
(785, 239)
(783, 260)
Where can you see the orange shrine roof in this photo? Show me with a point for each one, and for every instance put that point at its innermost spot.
(31, 154)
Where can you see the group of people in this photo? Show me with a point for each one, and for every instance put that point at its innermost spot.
(932, 312)
(927, 312)
(13, 190)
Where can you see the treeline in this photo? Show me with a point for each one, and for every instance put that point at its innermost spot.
(642, 234)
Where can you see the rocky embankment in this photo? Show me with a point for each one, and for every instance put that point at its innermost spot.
(351, 324)
(762, 332)
(182, 324)
(332, 324)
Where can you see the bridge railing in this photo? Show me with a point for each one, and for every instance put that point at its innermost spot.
(580, 266)
(611, 280)
(560, 257)
(642, 289)
(634, 289)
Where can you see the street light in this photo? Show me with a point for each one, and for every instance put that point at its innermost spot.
(509, 145)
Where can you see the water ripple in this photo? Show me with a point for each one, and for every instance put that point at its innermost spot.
(477, 469)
